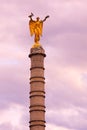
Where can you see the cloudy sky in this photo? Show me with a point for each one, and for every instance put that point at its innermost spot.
(65, 43)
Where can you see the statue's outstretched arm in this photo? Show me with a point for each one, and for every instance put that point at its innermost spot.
(45, 18)
(31, 15)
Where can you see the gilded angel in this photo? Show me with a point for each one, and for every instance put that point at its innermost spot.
(36, 27)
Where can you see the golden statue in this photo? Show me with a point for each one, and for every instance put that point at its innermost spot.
(36, 28)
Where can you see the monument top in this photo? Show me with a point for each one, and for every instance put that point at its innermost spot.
(37, 51)
(36, 28)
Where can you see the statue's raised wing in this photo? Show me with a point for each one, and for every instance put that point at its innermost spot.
(31, 26)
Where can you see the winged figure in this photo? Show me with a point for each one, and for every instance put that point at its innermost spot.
(36, 27)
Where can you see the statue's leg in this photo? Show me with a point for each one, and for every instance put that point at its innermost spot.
(37, 38)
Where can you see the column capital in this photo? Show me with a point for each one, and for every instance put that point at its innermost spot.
(37, 51)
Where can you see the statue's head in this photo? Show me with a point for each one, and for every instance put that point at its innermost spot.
(37, 18)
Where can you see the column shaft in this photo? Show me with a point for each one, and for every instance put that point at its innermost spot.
(37, 89)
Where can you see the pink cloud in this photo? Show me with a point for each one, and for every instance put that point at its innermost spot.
(64, 39)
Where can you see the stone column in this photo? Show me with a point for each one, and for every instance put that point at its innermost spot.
(37, 90)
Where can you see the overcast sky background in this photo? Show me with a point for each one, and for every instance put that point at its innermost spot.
(65, 43)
